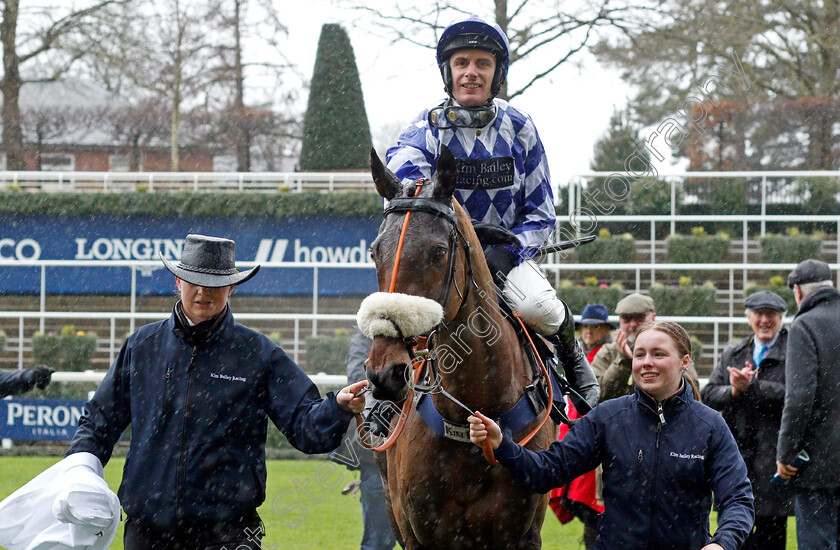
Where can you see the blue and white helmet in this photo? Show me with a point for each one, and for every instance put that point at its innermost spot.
(474, 33)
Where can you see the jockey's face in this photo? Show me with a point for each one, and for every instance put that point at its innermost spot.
(472, 76)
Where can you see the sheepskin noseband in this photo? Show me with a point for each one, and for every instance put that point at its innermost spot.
(382, 313)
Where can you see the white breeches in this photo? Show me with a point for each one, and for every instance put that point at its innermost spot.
(531, 295)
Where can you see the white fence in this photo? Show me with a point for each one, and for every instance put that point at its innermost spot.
(722, 333)
(151, 182)
(772, 187)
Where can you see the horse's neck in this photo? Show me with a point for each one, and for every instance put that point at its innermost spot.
(485, 367)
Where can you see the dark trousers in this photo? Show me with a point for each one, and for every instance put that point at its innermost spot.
(817, 515)
(770, 533)
(244, 535)
(377, 529)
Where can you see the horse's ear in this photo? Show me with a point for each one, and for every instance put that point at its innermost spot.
(447, 174)
(387, 183)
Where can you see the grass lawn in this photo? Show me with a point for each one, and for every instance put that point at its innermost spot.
(295, 522)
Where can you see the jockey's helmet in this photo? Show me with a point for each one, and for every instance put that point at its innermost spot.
(474, 33)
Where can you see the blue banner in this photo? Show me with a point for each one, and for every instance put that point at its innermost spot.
(40, 419)
(310, 238)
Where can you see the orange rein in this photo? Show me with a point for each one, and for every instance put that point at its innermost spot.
(418, 368)
(485, 445)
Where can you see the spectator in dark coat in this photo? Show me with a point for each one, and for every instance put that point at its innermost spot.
(811, 415)
(748, 388)
(377, 534)
(13, 382)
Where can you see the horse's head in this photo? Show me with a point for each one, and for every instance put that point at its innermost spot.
(432, 270)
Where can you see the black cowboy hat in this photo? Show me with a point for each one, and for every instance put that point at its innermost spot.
(209, 262)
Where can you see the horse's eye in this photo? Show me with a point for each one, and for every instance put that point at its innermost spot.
(439, 253)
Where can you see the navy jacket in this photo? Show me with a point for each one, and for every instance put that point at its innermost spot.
(754, 418)
(658, 476)
(198, 419)
(13, 382)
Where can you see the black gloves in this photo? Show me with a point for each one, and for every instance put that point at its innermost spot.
(491, 235)
(500, 261)
(39, 376)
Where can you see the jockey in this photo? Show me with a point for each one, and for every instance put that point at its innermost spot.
(503, 178)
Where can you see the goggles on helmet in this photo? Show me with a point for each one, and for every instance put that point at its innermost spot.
(446, 116)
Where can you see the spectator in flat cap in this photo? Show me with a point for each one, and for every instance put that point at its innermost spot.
(198, 390)
(748, 388)
(613, 364)
(811, 414)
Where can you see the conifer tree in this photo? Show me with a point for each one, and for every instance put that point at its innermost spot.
(336, 131)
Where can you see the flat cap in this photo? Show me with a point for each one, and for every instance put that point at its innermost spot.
(634, 303)
(765, 299)
(809, 271)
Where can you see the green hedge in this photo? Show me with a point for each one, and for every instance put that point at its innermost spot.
(693, 300)
(2, 340)
(609, 250)
(190, 205)
(578, 296)
(697, 248)
(66, 351)
(788, 249)
(328, 354)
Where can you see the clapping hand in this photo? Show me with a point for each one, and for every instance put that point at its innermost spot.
(740, 379)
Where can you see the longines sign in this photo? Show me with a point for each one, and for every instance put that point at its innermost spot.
(311, 239)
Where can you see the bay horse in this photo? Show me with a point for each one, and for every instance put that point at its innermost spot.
(441, 492)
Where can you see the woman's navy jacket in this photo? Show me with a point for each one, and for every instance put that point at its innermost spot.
(659, 477)
(198, 419)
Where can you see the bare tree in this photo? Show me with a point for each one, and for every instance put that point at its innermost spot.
(786, 54)
(544, 33)
(242, 28)
(19, 48)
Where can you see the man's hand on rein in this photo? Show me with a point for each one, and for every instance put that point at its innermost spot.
(351, 398)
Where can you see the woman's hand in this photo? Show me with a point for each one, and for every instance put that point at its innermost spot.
(482, 428)
(351, 398)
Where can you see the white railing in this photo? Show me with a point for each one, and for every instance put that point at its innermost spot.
(649, 268)
(151, 182)
(113, 342)
(723, 331)
(337, 181)
(578, 193)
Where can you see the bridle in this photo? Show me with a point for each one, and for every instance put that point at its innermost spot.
(421, 347)
(423, 360)
(456, 237)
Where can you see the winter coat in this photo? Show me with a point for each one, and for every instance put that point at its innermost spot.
(503, 172)
(198, 419)
(811, 416)
(13, 382)
(659, 477)
(754, 417)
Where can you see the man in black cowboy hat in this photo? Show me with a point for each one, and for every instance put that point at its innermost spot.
(198, 390)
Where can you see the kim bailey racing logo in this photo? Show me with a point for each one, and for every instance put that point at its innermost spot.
(268, 250)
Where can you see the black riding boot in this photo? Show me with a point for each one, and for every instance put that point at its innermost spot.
(577, 370)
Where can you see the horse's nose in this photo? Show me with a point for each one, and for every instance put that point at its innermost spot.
(387, 382)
